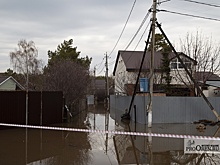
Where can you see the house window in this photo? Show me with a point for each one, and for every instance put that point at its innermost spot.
(175, 64)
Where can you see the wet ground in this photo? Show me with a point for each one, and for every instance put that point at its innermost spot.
(21, 146)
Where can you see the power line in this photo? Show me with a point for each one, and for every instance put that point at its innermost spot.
(136, 46)
(142, 35)
(160, 2)
(142, 23)
(136, 33)
(101, 70)
(99, 64)
(111, 63)
(202, 3)
(124, 27)
(190, 15)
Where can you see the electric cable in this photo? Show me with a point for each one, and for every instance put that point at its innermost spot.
(111, 63)
(124, 27)
(202, 3)
(142, 36)
(163, 2)
(190, 15)
(142, 23)
(102, 69)
(137, 43)
(100, 64)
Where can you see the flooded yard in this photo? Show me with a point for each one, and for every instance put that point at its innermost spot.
(20, 146)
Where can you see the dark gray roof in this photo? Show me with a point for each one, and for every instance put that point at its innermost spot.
(132, 59)
(206, 76)
(100, 84)
(213, 83)
(3, 78)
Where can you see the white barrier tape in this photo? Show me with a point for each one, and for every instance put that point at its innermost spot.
(113, 132)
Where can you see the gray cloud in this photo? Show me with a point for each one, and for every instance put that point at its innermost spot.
(94, 25)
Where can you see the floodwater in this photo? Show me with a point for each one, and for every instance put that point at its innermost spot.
(20, 146)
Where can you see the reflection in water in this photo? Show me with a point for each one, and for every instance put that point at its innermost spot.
(47, 147)
(44, 146)
(148, 150)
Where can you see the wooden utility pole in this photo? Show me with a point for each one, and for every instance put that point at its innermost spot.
(107, 82)
(27, 86)
(152, 63)
(94, 86)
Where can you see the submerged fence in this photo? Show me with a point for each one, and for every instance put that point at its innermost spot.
(166, 109)
(43, 107)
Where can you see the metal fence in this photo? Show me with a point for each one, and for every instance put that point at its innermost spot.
(43, 107)
(166, 109)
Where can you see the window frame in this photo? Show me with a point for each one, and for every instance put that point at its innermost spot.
(176, 65)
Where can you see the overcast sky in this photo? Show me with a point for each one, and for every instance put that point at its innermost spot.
(95, 25)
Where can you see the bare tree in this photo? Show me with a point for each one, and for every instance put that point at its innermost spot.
(203, 50)
(24, 60)
(67, 76)
(122, 83)
(206, 56)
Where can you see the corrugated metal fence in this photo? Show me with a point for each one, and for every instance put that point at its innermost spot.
(166, 109)
(13, 107)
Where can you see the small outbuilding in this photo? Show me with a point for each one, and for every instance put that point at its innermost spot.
(8, 83)
(210, 83)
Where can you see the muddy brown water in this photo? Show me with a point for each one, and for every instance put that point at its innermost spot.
(20, 146)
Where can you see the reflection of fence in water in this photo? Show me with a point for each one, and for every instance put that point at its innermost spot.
(168, 148)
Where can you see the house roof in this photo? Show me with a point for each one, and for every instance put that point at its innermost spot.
(213, 83)
(206, 76)
(3, 79)
(132, 59)
(100, 84)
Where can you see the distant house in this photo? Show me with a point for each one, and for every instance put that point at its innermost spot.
(210, 83)
(100, 90)
(128, 63)
(10, 84)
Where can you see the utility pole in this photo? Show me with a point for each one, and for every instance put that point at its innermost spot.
(107, 82)
(94, 85)
(152, 63)
(27, 86)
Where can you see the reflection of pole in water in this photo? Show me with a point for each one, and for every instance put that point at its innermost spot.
(26, 146)
(106, 129)
(150, 152)
(41, 145)
(116, 150)
(94, 120)
(133, 145)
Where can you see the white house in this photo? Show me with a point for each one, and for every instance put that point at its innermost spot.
(128, 63)
(8, 83)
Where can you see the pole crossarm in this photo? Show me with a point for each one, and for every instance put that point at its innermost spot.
(189, 74)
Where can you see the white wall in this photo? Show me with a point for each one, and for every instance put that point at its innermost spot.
(8, 85)
(120, 76)
(212, 92)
